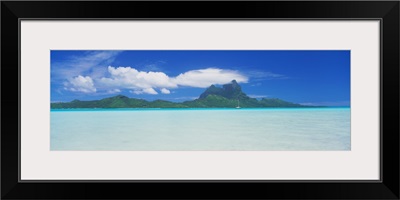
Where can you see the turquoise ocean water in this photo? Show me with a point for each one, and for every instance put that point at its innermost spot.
(272, 129)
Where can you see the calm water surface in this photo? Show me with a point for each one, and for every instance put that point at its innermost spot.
(200, 129)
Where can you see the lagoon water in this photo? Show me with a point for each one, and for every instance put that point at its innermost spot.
(272, 129)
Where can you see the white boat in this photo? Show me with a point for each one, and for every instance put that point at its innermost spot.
(238, 105)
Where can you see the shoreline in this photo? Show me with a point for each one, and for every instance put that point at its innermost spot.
(199, 109)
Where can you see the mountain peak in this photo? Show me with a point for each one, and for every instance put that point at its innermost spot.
(230, 90)
(232, 86)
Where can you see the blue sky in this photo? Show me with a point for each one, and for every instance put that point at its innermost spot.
(306, 77)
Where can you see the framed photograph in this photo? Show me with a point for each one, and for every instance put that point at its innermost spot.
(274, 100)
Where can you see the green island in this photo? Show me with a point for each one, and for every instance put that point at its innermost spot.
(228, 96)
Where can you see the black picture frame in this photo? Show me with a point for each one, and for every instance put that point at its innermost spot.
(386, 11)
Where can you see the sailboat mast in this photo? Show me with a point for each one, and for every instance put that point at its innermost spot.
(238, 104)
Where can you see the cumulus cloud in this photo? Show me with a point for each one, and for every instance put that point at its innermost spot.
(145, 91)
(149, 91)
(130, 78)
(165, 91)
(80, 84)
(141, 82)
(203, 78)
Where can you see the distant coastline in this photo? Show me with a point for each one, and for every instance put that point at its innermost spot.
(229, 96)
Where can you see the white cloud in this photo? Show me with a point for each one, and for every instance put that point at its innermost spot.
(90, 63)
(141, 82)
(130, 78)
(203, 78)
(80, 84)
(144, 91)
(165, 91)
(149, 91)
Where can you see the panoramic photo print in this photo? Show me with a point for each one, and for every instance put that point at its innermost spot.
(200, 100)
